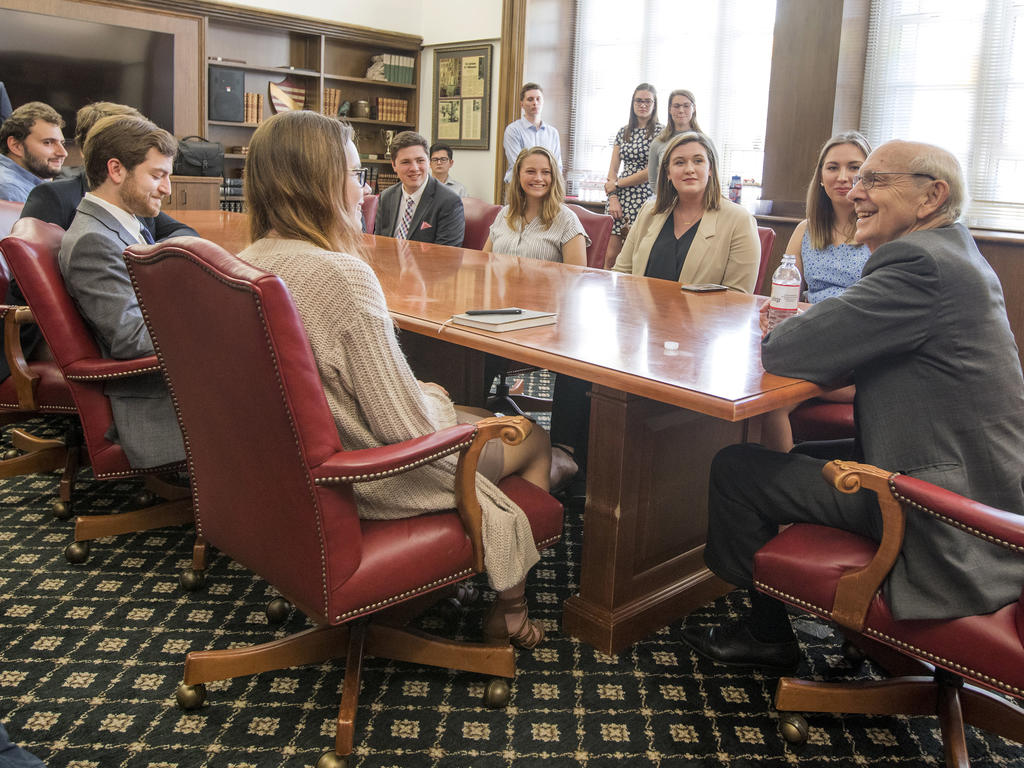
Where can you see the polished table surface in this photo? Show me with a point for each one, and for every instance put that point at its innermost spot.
(658, 415)
(611, 328)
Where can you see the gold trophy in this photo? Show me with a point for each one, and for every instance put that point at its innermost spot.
(388, 136)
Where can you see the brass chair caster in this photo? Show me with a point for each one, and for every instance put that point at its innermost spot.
(497, 693)
(467, 594)
(77, 553)
(278, 610)
(853, 655)
(191, 580)
(332, 760)
(143, 499)
(793, 727)
(62, 510)
(190, 697)
(11, 453)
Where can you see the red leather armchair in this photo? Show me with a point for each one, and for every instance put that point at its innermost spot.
(33, 388)
(767, 237)
(369, 208)
(953, 663)
(31, 252)
(479, 217)
(273, 486)
(598, 227)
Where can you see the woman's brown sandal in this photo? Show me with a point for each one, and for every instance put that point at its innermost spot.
(528, 634)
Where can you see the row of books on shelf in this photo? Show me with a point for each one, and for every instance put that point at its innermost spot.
(232, 206)
(332, 100)
(396, 110)
(382, 178)
(398, 69)
(253, 107)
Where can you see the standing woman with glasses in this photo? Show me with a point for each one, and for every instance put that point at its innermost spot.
(303, 188)
(682, 116)
(627, 193)
(828, 258)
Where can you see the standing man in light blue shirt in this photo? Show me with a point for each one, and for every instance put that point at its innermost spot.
(31, 149)
(530, 130)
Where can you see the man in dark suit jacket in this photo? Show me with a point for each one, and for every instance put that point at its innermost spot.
(128, 162)
(940, 396)
(420, 207)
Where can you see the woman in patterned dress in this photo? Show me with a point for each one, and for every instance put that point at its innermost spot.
(628, 192)
(828, 259)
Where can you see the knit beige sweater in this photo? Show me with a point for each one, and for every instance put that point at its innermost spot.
(376, 400)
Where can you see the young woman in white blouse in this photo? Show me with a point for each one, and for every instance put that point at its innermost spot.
(536, 224)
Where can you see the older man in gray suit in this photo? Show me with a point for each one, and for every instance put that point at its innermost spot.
(128, 167)
(940, 396)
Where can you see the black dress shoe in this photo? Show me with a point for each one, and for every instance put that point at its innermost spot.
(734, 646)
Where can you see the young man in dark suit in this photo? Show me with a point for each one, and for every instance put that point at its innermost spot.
(420, 207)
(128, 164)
(940, 396)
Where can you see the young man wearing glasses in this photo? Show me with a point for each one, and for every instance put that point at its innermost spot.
(940, 396)
(441, 163)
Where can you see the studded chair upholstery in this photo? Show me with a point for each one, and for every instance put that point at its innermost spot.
(31, 252)
(273, 485)
(34, 388)
(598, 227)
(955, 663)
(479, 217)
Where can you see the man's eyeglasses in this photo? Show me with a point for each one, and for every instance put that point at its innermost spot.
(869, 179)
(359, 174)
(441, 160)
(643, 102)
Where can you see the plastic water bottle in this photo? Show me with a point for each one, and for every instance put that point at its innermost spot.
(735, 189)
(785, 291)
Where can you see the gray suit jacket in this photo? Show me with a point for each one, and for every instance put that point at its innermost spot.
(96, 277)
(940, 396)
(439, 217)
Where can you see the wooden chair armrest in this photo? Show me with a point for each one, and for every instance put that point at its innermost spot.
(25, 380)
(103, 369)
(512, 430)
(857, 588)
(348, 467)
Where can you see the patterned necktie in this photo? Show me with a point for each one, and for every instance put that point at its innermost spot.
(403, 227)
(146, 235)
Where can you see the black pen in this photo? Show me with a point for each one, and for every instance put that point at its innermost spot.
(494, 311)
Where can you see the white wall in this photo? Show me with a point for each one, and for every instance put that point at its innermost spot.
(441, 23)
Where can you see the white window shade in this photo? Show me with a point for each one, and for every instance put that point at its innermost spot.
(951, 73)
(720, 51)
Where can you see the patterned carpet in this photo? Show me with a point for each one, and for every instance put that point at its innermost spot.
(90, 657)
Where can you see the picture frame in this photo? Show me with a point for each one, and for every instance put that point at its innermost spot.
(462, 96)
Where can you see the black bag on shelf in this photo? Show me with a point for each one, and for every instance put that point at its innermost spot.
(199, 157)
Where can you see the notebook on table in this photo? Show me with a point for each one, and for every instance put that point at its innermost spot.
(504, 319)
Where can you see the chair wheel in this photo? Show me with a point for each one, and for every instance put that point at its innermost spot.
(77, 553)
(793, 727)
(192, 580)
(332, 760)
(278, 610)
(11, 453)
(467, 594)
(854, 655)
(450, 608)
(62, 510)
(190, 697)
(497, 693)
(143, 499)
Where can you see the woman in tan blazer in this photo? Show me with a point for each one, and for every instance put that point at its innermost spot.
(689, 232)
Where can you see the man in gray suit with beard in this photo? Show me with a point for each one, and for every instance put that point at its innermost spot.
(940, 396)
(128, 167)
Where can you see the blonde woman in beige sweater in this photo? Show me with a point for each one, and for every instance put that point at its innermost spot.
(303, 188)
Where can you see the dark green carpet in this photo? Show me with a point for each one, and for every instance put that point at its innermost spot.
(90, 657)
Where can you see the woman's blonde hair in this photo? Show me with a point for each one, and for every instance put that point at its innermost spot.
(666, 192)
(516, 216)
(670, 128)
(819, 204)
(296, 180)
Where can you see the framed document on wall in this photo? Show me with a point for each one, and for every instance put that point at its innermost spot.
(462, 97)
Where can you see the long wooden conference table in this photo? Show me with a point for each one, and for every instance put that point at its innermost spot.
(658, 414)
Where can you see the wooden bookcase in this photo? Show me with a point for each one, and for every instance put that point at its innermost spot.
(271, 47)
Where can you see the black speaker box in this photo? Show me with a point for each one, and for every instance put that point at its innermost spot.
(227, 94)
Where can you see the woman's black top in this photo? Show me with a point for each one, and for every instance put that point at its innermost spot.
(668, 253)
